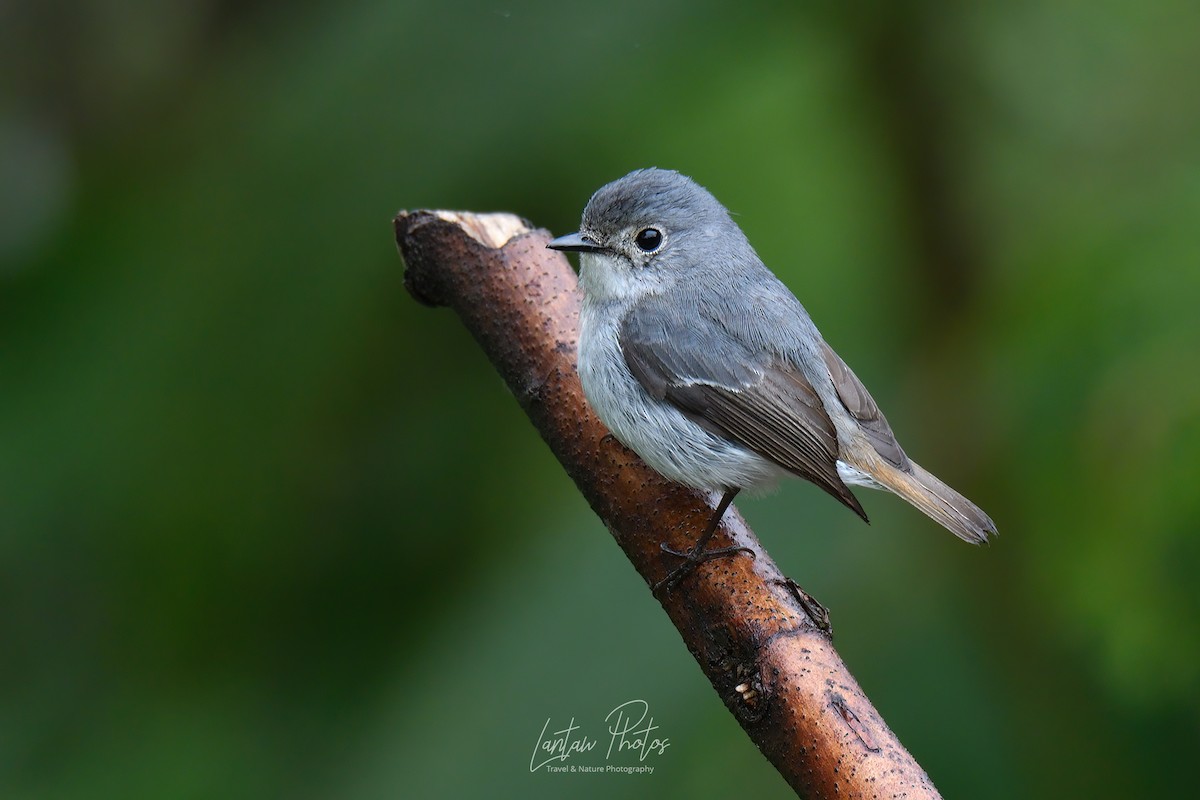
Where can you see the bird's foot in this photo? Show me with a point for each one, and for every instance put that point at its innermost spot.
(692, 559)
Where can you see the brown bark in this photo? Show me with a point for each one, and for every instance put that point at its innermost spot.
(762, 642)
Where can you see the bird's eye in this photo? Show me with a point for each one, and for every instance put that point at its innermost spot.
(649, 239)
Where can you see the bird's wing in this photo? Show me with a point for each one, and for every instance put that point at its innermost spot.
(862, 407)
(759, 402)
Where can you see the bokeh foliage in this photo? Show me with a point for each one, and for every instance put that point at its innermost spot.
(269, 528)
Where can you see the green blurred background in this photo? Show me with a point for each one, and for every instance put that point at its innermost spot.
(268, 528)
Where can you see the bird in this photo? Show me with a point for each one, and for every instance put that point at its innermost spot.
(700, 360)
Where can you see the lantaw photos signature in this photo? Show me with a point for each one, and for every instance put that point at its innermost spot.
(629, 729)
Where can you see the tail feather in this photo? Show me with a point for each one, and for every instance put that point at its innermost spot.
(937, 501)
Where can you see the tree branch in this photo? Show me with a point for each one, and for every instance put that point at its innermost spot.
(761, 640)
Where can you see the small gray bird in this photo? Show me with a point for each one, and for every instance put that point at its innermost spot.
(703, 363)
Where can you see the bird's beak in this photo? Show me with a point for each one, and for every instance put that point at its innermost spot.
(574, 243)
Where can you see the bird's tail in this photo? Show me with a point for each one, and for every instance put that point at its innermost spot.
(937, 500)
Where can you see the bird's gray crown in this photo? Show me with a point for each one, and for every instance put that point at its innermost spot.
(651, 197)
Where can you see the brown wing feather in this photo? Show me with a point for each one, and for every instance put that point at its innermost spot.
(862, 407)
(775, 413)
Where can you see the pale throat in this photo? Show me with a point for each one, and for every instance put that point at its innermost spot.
(606, 278)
